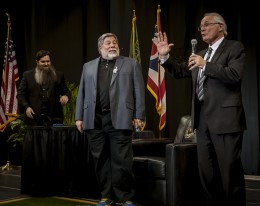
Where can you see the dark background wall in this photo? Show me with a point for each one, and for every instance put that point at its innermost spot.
(69, 29)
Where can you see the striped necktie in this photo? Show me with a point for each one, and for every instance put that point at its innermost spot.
(201, 78)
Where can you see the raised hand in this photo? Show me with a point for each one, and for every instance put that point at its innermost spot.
(161, 42)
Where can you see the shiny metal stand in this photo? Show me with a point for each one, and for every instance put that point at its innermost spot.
(8, 166)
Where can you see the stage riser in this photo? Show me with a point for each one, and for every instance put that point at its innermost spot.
(10, 183)
(252, 190)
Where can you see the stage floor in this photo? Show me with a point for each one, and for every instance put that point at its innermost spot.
(10, 187)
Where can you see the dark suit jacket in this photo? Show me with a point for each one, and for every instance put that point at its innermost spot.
(29, 95)
(126, 93)
(222, 87)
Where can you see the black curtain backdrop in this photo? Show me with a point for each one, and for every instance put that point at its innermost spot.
(70, 29)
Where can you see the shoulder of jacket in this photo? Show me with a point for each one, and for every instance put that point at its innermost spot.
(29, 72)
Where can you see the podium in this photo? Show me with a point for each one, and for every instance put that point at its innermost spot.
(56, 161)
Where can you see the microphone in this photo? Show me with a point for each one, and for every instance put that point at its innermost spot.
(193, 45)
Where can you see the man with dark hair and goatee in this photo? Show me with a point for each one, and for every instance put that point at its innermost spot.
(42, 92)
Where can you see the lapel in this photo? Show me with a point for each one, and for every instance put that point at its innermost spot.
(219, 51)
(94, 71)
(117, 68)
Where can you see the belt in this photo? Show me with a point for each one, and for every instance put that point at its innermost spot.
(103, 111)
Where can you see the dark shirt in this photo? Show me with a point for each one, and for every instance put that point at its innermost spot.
(105, 71)
(45, 118)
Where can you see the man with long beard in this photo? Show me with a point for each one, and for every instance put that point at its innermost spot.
(42, 92)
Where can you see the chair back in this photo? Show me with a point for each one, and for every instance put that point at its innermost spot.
(184, 131)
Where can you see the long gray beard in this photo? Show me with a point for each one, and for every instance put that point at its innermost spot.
(43, 76)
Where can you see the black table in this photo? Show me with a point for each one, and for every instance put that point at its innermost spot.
(56, 161)
(145, 134)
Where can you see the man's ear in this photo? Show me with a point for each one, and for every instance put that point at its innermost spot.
(220, 27)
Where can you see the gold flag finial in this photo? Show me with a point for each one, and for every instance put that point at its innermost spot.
(159, 8)
(8, 16)
(8, 19)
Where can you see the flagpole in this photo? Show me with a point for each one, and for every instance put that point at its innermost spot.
(8, 166)
(133, 33)
(7, 39)
(158, 23)
(6, 51)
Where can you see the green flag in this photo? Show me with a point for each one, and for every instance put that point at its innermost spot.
(135, 49)
(134, 42)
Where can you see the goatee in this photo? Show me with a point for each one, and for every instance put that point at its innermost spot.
(113, 55)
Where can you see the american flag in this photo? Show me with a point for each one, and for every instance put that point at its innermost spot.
(156, 78)
(8, 101)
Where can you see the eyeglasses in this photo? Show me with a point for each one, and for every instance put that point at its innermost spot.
(207, 24)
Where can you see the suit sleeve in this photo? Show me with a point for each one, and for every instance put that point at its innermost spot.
(22, 93)
(63, 86)
(80, 99)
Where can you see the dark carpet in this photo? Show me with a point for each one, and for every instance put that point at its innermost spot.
(47, 201)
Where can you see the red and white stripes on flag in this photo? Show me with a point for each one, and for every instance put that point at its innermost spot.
(8, 101)
(156, 78)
